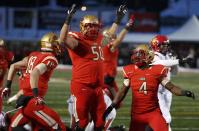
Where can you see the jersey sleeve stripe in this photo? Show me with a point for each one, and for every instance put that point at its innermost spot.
(50, 57)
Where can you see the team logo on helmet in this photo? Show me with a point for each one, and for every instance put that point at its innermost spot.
(160, 43)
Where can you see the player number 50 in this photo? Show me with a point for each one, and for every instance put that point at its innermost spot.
(98, 52)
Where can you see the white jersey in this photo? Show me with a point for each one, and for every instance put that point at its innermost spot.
(164, 95)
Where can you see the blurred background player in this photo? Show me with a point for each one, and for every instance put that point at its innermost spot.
(6, 57)
(160, 46)
(85, 50)
(39, 68)
(144, 79)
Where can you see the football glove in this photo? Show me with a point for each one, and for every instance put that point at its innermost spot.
(121, 11)
(188, 94)
(130, 23)
(23, 101)
(6, 92)
(71, 11)
(108, 111)
(39, 100)
(187, 60)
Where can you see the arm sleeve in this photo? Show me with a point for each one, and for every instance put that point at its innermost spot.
(167, 63)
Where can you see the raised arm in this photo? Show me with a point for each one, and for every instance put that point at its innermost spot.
(120, 37)
(63, 38)
(120, 13)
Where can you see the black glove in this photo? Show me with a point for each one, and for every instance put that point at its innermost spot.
(7, 90)
(121, 11)
(187, 60)
(188, 94)
(71, 11)
(108, 111)
(130, 23)
(108, 80)
(22, 101)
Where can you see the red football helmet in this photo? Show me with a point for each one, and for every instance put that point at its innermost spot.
(90, 27)
(160, 43)
(141, 56)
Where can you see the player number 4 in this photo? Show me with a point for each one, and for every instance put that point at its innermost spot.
(143, 88)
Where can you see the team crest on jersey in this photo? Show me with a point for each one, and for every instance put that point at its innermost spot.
(142, 78)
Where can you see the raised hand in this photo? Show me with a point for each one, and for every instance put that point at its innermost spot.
(130, 23)
(71, 11)
(121, 11)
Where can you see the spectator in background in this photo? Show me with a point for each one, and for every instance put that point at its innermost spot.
(85, 50)
(143, 79)
(6, 57)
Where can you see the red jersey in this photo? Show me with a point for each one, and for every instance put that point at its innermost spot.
(144, 84)
(34, 59)
(5, 58)
(87, 60)
(110, 61)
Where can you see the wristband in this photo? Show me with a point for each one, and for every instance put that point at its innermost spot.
(9, 83)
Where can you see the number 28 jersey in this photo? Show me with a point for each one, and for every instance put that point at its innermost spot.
(144, 85)
(34, 59)
(87, 60)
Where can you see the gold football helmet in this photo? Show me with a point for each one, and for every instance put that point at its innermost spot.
(90, 27)
(141, 55)
(49, 43)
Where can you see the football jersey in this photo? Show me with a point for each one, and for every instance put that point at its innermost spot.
(87, 60)
(5, 58)
(144, 85)
(34, 59)
(110, 61)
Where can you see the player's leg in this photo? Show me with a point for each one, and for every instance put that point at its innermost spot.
(110, 118)
(136, 125)
(98, 108)
(18, 120)
(70, 102)
(82, 103)
(157, 122)
(43, 115)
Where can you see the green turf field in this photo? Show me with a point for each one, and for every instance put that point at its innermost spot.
(185, 111)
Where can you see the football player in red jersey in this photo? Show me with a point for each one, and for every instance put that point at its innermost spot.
(143, 79)
(39, 68)
(6, 57)
(85, 50)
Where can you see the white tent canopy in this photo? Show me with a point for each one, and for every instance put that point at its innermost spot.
(188, 32)
(138, 37)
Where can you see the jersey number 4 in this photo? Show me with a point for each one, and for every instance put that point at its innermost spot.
(143, 88)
